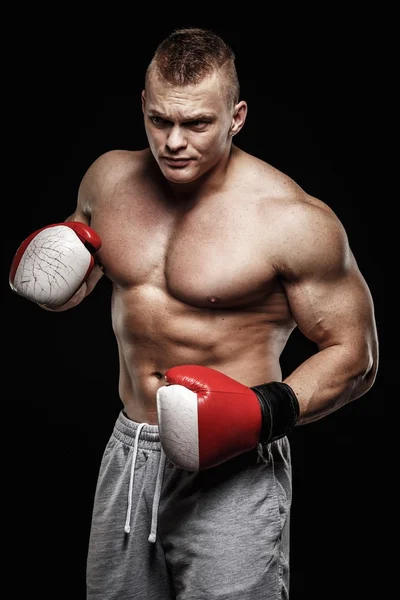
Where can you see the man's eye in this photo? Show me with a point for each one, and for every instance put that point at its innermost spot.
(198, 124)
(156, 120)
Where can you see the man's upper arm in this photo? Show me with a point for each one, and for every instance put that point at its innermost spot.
(84, 206)
(328, 296)
(85, 197)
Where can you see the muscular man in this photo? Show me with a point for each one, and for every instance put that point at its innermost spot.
(214, 257)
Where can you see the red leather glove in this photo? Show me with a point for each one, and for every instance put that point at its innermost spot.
(53, 262)
(206, 418)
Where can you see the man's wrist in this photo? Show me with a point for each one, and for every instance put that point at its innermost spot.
(279, 408)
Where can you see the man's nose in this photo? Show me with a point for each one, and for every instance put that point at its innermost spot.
(176, 139)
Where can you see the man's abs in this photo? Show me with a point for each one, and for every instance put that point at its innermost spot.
(156, 331)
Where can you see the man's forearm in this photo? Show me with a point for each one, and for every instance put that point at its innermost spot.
(330, 379)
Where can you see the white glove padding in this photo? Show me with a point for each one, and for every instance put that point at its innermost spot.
(53, 262)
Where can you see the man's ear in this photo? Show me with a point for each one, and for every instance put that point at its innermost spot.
(143, 99)
(239, 117)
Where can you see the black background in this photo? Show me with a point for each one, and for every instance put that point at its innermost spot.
(72, 91)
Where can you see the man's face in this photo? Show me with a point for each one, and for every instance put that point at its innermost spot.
(188, 127)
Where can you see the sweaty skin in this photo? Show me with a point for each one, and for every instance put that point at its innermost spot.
(215, 257)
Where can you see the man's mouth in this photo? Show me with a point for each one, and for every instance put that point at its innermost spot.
(176, 162)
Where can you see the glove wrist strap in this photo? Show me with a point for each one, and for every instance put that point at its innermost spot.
(279, 408)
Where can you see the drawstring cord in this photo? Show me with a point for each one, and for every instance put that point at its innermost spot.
(135, 451)
(156, 500)
(157, 493)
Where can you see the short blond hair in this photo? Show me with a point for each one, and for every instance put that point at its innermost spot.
(189, 55)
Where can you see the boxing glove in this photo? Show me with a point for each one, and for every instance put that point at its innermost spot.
(206, 418)
(53, 262)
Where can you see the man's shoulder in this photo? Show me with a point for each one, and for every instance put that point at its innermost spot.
(279, 189)
(258, 173)
(293, 217)
(281, 200)
(121, 159)
(267, 185)
(114, 165)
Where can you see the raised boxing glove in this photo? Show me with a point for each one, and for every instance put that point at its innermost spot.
(53, 262)
(206, 418)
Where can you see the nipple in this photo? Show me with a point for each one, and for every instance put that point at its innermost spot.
(213, 299)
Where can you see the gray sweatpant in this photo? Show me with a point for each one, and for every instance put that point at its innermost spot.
(161, 533)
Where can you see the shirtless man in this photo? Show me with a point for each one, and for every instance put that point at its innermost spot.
(214, 257)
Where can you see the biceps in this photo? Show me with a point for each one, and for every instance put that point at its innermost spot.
(333, 311)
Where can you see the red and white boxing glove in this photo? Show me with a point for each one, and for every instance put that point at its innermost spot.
(206, 418)
(53, 262)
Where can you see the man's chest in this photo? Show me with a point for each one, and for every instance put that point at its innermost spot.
(204, 258)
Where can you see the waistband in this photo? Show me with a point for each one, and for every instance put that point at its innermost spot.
(125, 431)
